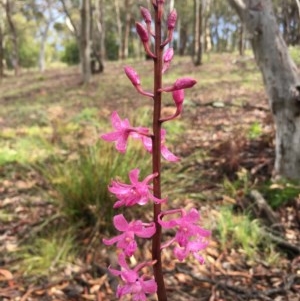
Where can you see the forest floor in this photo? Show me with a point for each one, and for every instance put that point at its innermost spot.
(225, 138)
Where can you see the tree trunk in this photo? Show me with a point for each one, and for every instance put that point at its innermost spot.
(198, 33)
(42, 48)
(14, 33)
(281, 79)
(119, 27)
(98, 47)
(85, 44)
(125, 40)
(1, 51)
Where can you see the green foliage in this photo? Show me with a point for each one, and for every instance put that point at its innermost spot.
(242, 183)
(240, 232)
(45, 255)
(71, 54)
(111, 46)
(255, 130)
(294, 52)
(279, 193)
(82, 181)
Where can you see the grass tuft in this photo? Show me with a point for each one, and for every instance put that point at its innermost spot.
(81, 180)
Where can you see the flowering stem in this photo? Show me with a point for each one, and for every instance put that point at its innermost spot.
(156, 157)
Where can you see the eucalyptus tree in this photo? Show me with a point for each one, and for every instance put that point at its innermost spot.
(44, 13)
(2, 29)
(10, 7)
(281, 79)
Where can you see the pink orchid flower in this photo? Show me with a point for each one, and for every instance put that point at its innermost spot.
(122, 131)
(126, 240)
(194, 247)
(135, 285)
(147, 142)
(189, 236)
(134, 193)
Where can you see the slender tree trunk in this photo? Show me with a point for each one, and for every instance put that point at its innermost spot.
(85, 44)
(14, 33)
(125, 40)
(99, 35)
(42, 48)
(198, 33)
(1, 52)
(281, 79)
(119, 27)
(241, 40)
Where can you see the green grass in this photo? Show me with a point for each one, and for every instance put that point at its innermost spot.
(82, 180)
(239, 231)
(46, 255)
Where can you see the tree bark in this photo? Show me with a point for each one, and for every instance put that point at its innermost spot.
(1, 48)
(119, 27)
(281, 79)
(14, 33)
(85, 43)
(198, 33)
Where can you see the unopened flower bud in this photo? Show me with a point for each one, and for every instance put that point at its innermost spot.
(132, 75)
(180, 84)
(146, 15)
(142, 32)
(168, 55)
(172, 18)
(178, 97)
(184, 83)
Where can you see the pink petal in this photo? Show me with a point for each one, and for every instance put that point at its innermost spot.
(120, 223)
(149, 286)
(167, 224)
(147, 143)
(122, 261)
(168, 155)
(113, 136)
(147, 231)
(192, 216)
(134, 176)
(111, 241)
(114, 272)
(116, 120)
(121, 143)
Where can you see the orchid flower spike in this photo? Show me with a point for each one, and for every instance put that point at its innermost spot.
(126, 240)
(134, 285)
(134, 193)
(180, 84)
(123, 129)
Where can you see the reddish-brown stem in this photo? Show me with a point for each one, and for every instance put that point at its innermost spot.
(156, 156)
